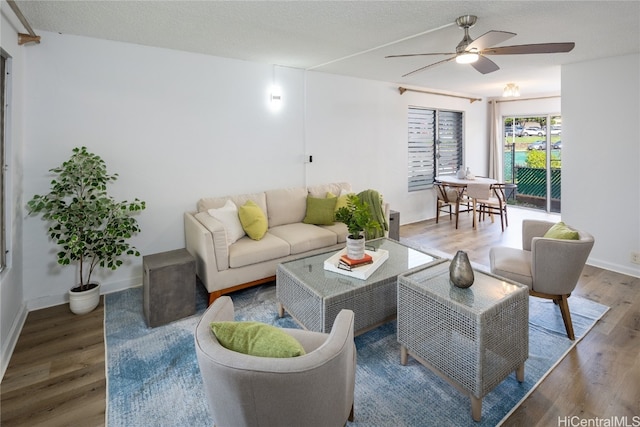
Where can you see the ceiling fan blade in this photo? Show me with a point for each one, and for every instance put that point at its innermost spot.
(485, 65)
(429, 66)
(419, 54)
(490, 38)
(530, 48)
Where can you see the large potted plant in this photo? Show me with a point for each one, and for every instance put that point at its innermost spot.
(91, 228)
(359, 220)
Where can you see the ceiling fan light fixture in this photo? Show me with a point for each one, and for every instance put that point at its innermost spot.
(467, 58)
(511, 89)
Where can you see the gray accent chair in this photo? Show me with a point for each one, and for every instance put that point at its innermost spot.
(549, 267)
(316, 389)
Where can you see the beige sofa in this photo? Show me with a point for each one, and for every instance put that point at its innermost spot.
(224, 267)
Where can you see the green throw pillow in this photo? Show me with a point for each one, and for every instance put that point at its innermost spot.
(256, 339)
(320, 211)
(561, 231)
(253, 220)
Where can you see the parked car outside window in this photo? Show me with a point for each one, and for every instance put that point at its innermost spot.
(508, 131)
(556, 130)
(530, 131)
(557, 145)
(538, 145)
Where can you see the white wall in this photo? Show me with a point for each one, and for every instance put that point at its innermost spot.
(601, 157)
(13, 310)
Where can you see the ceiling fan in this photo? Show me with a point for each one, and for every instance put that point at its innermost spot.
(470, 51)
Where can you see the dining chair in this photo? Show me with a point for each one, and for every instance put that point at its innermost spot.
(449, 196)
(490, 199)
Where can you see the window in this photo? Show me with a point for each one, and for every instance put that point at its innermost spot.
(435, 145)
(3, 105)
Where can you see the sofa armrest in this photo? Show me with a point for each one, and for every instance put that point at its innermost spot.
(200, 244)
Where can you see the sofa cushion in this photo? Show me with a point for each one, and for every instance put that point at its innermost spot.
(253, 220)
(339, 229)
(335, 188)
(207, 203)
(304, 237)
(320, 211)
(247, 251)
(514, 264)
(286, 206)
(228, 216)
(256, 339)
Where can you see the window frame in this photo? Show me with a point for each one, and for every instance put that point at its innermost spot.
(5, 67)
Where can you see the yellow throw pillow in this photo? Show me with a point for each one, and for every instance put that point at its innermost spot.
(253, 220)
(561, 231)
(320, 211)
(256, 339)
(341, 200)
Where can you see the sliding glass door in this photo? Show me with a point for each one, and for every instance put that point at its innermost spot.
(533, 160)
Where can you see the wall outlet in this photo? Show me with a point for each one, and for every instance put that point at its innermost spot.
(635, 257)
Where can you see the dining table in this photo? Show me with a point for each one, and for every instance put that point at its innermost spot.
(462, 184)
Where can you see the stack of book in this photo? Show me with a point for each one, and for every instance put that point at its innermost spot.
(349, 263)
(357, 268)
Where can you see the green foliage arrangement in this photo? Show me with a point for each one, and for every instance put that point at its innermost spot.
(357, 217)
(538, 159)
(89, 225)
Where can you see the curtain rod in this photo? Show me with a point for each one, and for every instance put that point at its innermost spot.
(23, 38)
(404, 89)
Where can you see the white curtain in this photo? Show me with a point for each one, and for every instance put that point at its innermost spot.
(495, 144)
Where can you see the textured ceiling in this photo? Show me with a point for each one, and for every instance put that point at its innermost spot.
(353, 37)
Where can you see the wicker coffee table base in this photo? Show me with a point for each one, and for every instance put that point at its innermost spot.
(473, 338)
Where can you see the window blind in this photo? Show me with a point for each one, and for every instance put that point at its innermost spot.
(435, 145)
(449, 142)
(421, 137)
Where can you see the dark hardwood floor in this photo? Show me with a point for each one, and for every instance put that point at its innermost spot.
(56, 376)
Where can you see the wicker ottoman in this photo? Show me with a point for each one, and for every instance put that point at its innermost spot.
(474, 337)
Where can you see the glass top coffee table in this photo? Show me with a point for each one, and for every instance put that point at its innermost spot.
(314, 296)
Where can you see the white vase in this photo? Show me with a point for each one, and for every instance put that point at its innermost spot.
(83, 302)
(355, 247)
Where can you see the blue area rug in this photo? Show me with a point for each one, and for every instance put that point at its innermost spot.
(153, 377)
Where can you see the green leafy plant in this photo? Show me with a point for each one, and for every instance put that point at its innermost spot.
(89, 225)
(538, 159)
(357, 217)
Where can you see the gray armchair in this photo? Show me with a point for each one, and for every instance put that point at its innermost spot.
(549, 267)
(316, 389)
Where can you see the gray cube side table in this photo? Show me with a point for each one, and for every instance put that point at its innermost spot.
(169, 284)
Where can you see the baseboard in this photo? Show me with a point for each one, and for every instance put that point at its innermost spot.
(107, 288)
(617, 268)
(12, 339)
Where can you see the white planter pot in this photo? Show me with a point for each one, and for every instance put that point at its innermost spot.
(355, 247)
(85, 301)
